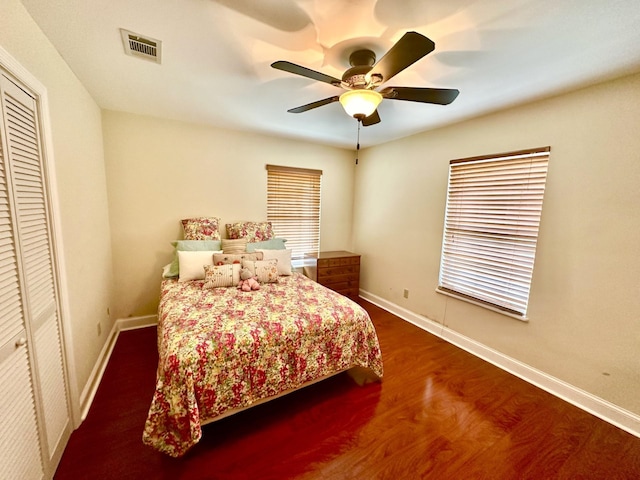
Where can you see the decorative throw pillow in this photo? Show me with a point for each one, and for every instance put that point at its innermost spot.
(216, 276)
(237, 245)
(192, 264)
(282, 256)
(252, 231)
(272, 244)
(229, 258)
(266, 271)
(201, 228)
(191, 245)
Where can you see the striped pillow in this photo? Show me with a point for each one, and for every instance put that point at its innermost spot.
(238, 245)
(216, 276)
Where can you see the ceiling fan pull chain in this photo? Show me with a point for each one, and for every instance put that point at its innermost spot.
(358, 141)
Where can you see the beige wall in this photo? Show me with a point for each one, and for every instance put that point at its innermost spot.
(161, 171)
(81, 184)
(119, 209)
(584, 326)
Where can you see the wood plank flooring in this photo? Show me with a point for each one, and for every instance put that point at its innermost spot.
(439, 413)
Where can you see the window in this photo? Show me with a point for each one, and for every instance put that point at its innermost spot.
(293, 207)
(491, 228)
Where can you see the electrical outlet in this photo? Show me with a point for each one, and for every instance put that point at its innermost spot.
(406, 293)
(99, 328)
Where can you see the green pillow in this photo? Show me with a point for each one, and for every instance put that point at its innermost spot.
(273, 244)
(192, 246)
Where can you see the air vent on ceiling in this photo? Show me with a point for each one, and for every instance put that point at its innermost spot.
(142, 47)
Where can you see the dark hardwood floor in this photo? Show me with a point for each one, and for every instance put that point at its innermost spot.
(439, 413)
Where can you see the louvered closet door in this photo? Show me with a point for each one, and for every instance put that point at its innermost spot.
(28, 199)
(20, 453)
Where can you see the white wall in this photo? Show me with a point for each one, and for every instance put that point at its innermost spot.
(81, 184)
(161, 171)
(584, 326)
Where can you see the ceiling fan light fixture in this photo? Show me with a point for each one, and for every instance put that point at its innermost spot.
(360, 103)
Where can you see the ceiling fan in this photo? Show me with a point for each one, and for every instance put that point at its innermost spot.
(361, 81)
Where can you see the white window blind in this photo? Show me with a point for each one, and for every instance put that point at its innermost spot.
(293, 207)
(492, 217)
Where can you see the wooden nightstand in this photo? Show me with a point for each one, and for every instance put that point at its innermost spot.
(339, 271)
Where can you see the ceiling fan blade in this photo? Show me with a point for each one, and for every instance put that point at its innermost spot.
(371, 119)
(312, 105)
(283, 15)
(408, 50)
(440, 96)
(305, 72)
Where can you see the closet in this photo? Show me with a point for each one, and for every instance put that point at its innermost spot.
(35, 420)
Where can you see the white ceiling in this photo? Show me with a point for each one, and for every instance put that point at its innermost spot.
(217, 53)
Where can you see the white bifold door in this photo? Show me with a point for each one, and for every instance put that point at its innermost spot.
(35, 421)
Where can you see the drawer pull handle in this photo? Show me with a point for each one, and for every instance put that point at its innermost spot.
(21, 342)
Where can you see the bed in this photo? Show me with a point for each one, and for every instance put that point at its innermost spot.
(222, 350)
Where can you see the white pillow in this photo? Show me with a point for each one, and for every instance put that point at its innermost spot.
(192, 263)
(283, 257)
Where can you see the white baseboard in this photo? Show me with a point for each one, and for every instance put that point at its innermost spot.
(597, 406)
(132, 323)
(607, 411)
(90, 389)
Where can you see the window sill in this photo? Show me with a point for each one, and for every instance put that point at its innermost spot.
(522, 318)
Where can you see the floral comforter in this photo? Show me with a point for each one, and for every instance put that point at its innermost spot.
(222, 349)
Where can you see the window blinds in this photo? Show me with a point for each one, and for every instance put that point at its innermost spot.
(293, 207)
(491, 228)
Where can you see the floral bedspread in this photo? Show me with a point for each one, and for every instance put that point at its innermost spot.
(222, 349)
